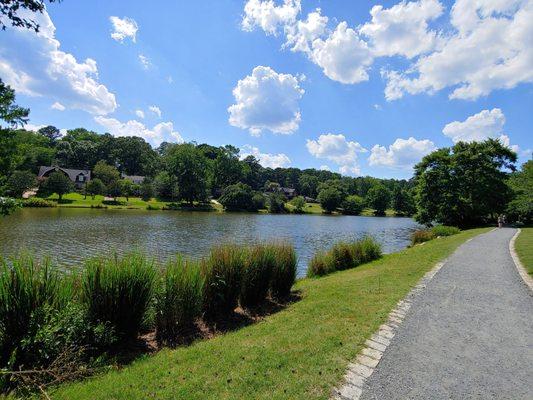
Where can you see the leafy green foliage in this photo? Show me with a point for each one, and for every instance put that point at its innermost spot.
(421, 236)
(118, 291)
(10, 11)
(321, 264)
(378, 198)
(520, 208)
(298, 203)
(179, 299)
(330, 198)
(38, 202)
(106, 173)
(94, 187)
(58, 183)
(11, 113)
(8, 205)
(464, 185)
(443, 230)
(276, 203)
(238, 197)
(402, 201)
(353, 205)
(19, 182)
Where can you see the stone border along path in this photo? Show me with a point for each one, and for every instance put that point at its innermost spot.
(469, 335)
(370, 356)
(528, 279)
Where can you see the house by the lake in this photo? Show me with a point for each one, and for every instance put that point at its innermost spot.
(78, 176)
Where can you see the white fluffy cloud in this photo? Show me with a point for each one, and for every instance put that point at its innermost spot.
(43, 69)
(266, 159)
(343, 56)
(269, 16)
(58, 106)
(403, 28)
(478, 127)
(124, 28)
(145, 61)
(266, 100)
(156, 110)
(337, 149)
(403, 153)
(161, 132)
(301, 35)
(490, 50)
(139, 113)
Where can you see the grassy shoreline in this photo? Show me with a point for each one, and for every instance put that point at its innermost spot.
(524, 248)
(76, 200)
(298, 353)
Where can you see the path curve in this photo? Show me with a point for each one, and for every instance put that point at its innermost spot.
(468, 336)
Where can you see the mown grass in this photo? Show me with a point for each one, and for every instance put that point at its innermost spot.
(524, 248)
(299, 353)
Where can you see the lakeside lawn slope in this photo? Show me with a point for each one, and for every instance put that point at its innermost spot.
(299, 353)
(524, 248)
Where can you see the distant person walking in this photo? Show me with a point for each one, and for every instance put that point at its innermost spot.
(500, 221)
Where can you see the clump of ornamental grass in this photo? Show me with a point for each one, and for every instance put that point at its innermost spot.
(421, 236)
(444, 230)
(284, 270)
(256, 273)
(38, 202)
(27, 288)
(321, 264)
(344, 255)
(222, 272)
(118, 291)
(179, 298)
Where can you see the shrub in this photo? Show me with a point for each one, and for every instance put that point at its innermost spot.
(179, 299)
(27, 289)
(260, 260)
(329, 198)
(119, 291)
(443, 230)
(237, 197)
(352, 205)
(284, 270)
(259, 201)
(20, 181)
(276, 203)
(58, 183)
(369, 249)
(8, 205)
(321, 264)
(222, 273)
(421, 236)
(342, 255)
(150, 207)
(38, 202)
(298, 203)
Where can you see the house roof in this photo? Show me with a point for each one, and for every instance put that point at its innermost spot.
(72, 173)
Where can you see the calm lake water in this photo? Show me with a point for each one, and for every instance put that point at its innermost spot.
(69, 236)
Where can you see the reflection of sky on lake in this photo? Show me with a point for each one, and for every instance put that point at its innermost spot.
(71, 235)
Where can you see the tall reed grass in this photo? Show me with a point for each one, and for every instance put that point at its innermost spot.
(118, 291)
(256, 273)
(284, 271)
(178, 299)
(344, 255)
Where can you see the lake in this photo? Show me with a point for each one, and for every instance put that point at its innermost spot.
(69, 236)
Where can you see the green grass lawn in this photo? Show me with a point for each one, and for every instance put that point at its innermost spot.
(524, 248)
(299, 353)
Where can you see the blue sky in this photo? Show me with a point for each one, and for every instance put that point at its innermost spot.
(360, 87)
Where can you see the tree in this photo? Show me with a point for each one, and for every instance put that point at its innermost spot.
(106, 173)
(9, 111)
(58, 183)
(147, 189)
(50, 132)
(189, 166)
(114, 189)
(126, 187)
(353, 205)
(309, 185)
(133, 155)
(464, 185)
(166, 186)
(20, 181)
(378, 198)
(94, 187)
(521, 183)
(402, 201)
(276, 203)
(298, 203)
(227, 168)
(238, 197)
(330, 198)
(10, 9)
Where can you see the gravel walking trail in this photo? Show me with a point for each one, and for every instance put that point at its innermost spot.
(468, 336)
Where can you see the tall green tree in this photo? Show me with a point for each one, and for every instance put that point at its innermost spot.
(190, 168)
(50, 132)
(58, 183)
(378, 198)
(20, 181)
(521, 184)
(330, 198)
(402, 201)
(106, 173)
(94, 187)
(464, 185)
